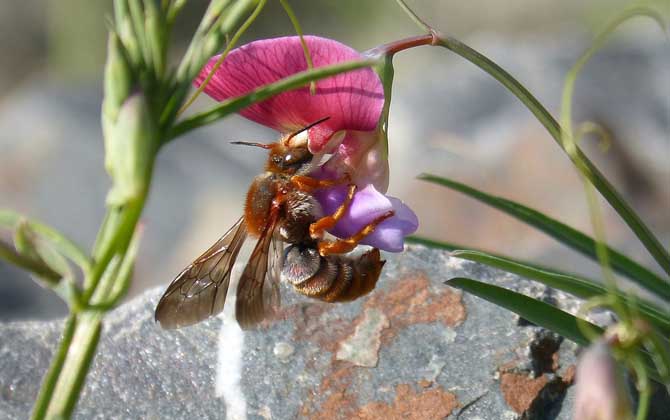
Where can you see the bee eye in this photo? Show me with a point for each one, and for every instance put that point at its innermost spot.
(276, 159)
(288, 158)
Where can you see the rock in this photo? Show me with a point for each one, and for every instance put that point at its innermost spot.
(413, 346)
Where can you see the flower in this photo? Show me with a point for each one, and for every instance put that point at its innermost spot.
(600, 393)
(352, 134)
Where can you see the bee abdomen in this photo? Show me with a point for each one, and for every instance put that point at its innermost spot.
(365, 273)
(300, 264)
(322, 281)
(338, 279)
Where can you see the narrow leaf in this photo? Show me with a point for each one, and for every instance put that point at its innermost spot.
(533, 310)
(569, 283)
(563, 233)
(540, 313)
(37, 267)
(579, 159)
(62, 244)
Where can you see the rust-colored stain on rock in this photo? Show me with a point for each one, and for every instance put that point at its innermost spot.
(411, 301)
(404, 302)
(435, 403)
(340, 403)
(520, 390)
(408, 301)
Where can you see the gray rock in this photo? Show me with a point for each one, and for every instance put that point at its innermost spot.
(412, 345)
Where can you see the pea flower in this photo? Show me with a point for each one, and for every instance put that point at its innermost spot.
(352, 135)
(600, 393)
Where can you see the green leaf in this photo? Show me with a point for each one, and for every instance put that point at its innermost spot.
(540, 313)
(569, 139)
(35, 266)
(432, 243)
(62, 244)
(533, 310)
(563, 233)
(578, 158)
(569, 283)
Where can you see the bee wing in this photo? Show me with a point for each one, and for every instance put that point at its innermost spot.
(199, 291)
(272, 295)
(252, 304)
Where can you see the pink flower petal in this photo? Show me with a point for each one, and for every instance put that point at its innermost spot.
(367, 205)
(352, 100)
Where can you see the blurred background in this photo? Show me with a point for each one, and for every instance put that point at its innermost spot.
(448, 118)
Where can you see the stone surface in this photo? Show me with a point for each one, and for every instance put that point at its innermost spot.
(414, 348)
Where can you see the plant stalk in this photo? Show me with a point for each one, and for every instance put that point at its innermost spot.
(81, 350)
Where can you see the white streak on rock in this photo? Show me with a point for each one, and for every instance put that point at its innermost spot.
(362, 347)
(229, 366)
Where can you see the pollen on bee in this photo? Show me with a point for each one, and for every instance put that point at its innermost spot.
(298, 140)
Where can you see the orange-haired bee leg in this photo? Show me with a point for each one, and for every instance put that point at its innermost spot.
(317, 229)
(342, 246)
(309, 184)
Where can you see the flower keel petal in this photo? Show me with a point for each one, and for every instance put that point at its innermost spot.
(367, 205)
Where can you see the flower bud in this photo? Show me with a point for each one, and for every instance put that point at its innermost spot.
(600, 394)
(28, 244)
(131, 143)
(118, 79)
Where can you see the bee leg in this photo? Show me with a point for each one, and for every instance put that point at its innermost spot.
(342, 246)
(309, 184)
(317, 229)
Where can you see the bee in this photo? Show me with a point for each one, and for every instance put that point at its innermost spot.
(289, 223)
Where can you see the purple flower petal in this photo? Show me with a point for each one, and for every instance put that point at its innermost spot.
(352, 100)
(367, 205)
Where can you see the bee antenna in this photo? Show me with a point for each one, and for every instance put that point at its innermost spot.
(246, 143)
(307, 127)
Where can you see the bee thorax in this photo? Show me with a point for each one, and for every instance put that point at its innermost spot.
(301, 210)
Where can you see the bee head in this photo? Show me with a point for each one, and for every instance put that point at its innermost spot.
(290, 153)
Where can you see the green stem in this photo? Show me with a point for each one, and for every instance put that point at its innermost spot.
(223, 55)
(298, 30)
(77, 362)
(643, 387)
(106, 230)
(44, 396)
(117, 242)
(264, 92)
(569, 143)
(59, 400)
(583, 164)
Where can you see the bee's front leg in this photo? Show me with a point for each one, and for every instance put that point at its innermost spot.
(342, 246)
(318, 228)
(309, 184)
